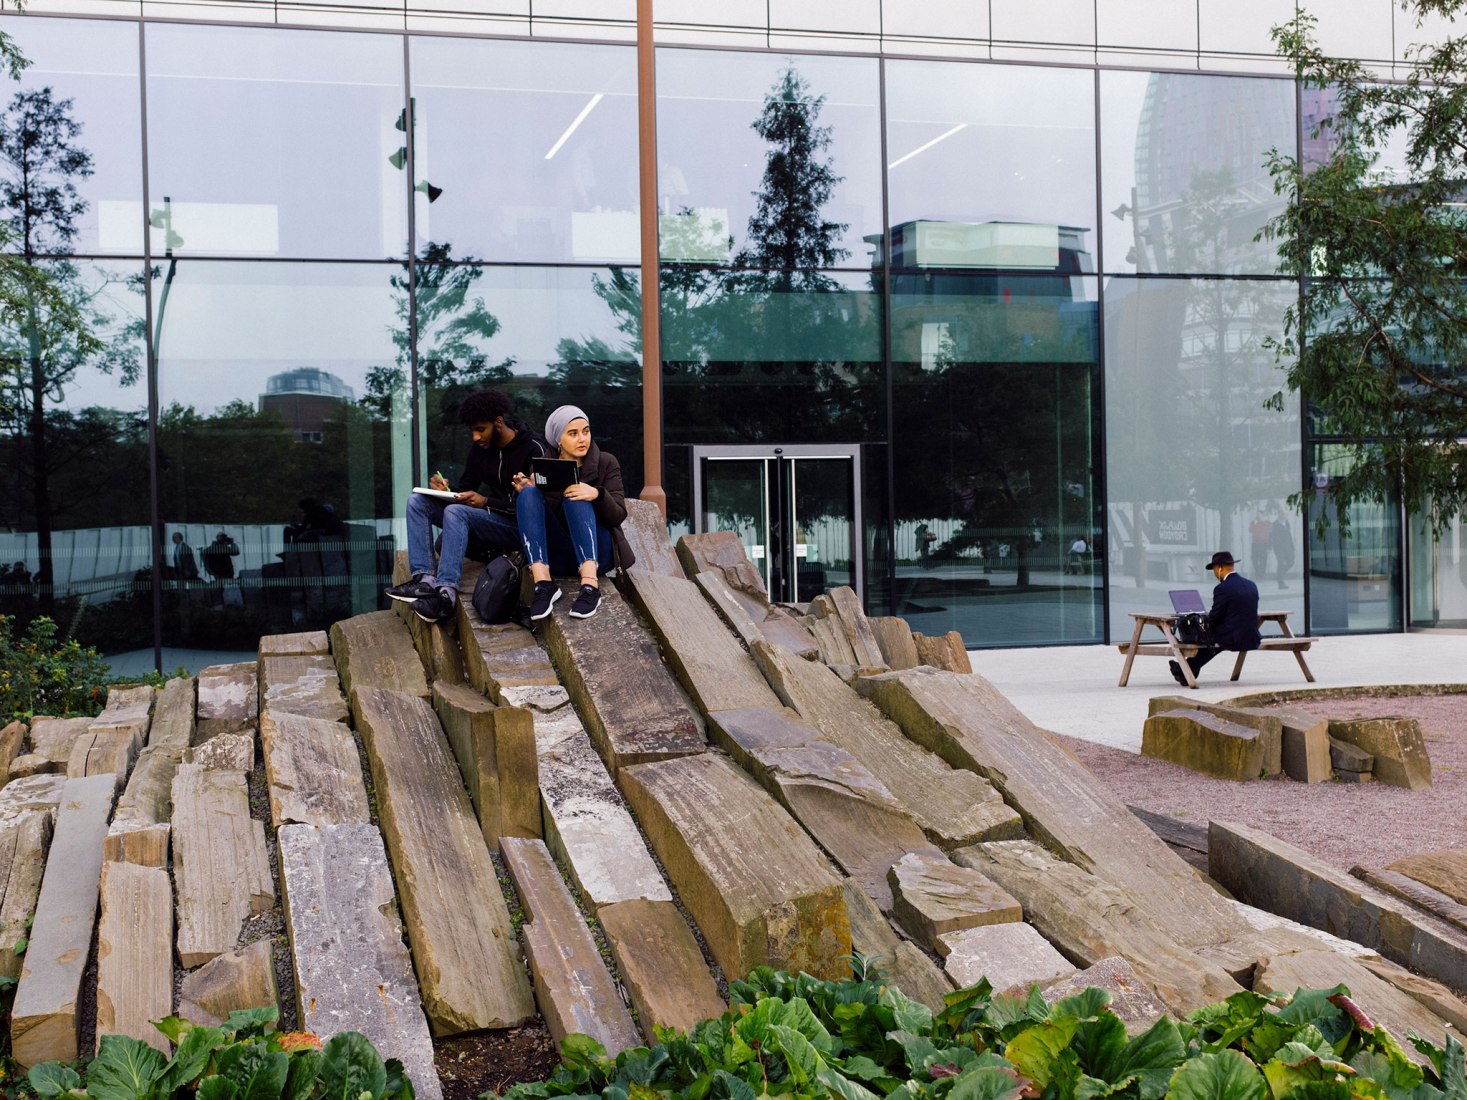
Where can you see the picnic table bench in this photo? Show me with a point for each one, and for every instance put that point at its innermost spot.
(1285, 641)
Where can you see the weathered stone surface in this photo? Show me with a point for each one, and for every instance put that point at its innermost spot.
(835, 647)
(1396, 744)
(646, 530)
(437, 643)
(306, 685)
(28, 764)
(1436, 903)
(306, 643)
(245, 978)
(52, 739)
(313, 771)
(736, 615)
(934, 896)
(220, 867)
(128, 710)
(1267, 723)
(1204, 743)
(23, 843)
(1433, 996)
(905, 965)
(1277, 876)
(972, 725)
(11, 739)
(894, 638)
(633, 708)
(227, 751)
(43, 1018)
(777, 902)
(857, 627)
(945, 652)
(1305, 749)
(352, 972)
(1130, 999)
(572, 985)
(230, 697)
(108, 752)
(376, 650)
(1445, 870)
(501, 655)
(134, 842)
(30, 792)
(848, 812)
(661, 965)
(1345, 757)
(709, 661)
(722, 555)
(952, 806)
(148, 796)
(135, 953)
(173, 714)
(1088, 919)
(495, 749)
(1009, 955)
(457, 922)
(587, 825)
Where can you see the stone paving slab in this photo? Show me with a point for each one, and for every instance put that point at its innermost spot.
(376, 650)
(135, 953)
(495, 750)
(305, 685)
(229, 698)
(24, 841)
(313, 771)
(661, 965)
(1008, 955)
(245, 978)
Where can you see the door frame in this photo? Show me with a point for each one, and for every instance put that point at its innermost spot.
(767, 451)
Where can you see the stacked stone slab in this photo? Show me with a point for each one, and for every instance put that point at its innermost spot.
(230, 696)
(457, 922)
(1305, 747)
(945, 652)
(1444, 870)
(245, 978)
(51, 744)
(226, 752)
(313, 771)
(1011, 955)
(904, 964)
(495, 749)
(500, 655)
(1433, 902)
(305, 643)
(12, 737)
(436, 643)
(45, 1016)
(135, 953)
(352, 972)
(140, 828)
(376, 650)
(1267, 725)
(934, 897)
(114, 738)
(128, 710)
(894, 637)
(1351, 763)
(662, 968)
(646, 531)
(1205, 743)
(953, 807)
(24, 839)
(843, 631)
(633, 708)
(721, 554)
(1396, 744)
(572, 985)
(776, 902)
(298, 683)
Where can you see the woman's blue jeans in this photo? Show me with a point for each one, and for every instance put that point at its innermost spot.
(562, 543)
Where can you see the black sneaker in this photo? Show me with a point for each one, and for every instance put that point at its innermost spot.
(1176, 671)
(586, 603)
(436, 607)
(546, 593)
(409, 591)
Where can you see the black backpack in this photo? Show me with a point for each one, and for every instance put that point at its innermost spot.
(1193, 628)
(497, 592)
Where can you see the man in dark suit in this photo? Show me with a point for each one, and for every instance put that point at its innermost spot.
(1233, 617)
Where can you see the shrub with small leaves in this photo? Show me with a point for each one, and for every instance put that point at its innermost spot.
(41, 675)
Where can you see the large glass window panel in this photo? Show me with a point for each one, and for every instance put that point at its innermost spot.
(1195, 463)
(1182, 170)
(753, 358)
(268, 142)
(530, 150)
(792, 178)
(73, 454)
(995, 447)
(1354, 578)
(72, 122)
(281, 436)
(547, 336)
(1438, 572)
(990, 165)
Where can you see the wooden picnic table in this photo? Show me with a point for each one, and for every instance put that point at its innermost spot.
(1286, 641)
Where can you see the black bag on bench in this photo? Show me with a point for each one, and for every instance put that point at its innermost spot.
(1193, 629)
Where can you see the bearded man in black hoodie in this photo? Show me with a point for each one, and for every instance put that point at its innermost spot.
(483, 507)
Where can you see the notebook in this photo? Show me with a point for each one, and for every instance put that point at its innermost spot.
(1185, 601)
(558, 474)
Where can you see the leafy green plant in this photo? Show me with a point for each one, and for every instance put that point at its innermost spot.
(242, 1059)
(41, 675)
(808, 1039)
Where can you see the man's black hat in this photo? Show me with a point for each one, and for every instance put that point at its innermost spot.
(1222, 557)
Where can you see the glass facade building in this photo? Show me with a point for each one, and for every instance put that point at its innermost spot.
(961, 302)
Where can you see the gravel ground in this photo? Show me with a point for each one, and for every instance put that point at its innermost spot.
(1342, 823)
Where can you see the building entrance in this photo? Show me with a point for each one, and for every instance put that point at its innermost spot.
(796, 509)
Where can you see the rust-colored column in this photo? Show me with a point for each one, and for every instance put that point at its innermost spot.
(651, 320)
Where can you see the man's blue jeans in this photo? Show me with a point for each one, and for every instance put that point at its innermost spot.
(459, 522)
(562, 545)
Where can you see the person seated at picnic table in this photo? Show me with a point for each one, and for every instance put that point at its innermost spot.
(575, 531)
(1233, 616)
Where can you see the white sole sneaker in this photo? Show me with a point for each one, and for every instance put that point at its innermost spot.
(555, 595)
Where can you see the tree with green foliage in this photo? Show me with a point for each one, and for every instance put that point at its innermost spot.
(1378, 340)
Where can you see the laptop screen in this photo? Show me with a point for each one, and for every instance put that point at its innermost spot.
(1186, 600)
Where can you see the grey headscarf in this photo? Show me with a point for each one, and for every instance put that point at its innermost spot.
(560, 420)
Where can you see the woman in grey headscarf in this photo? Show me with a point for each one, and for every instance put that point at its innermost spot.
(575, 531)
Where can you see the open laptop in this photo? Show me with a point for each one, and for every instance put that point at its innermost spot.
(1186, 601)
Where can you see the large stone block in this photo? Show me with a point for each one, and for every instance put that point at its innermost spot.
(934, 896)
(1204, 743)
(661, 965)
(1396, 744)
(495, 749)
(147, 799)
(952, 806)
(11, 739)
(306, 685)
(30, 792)
(128, 711)
(174, 714)
(1444, 870)
(721, 554)
(227, 752)
(313, 771)
(945, 651)
(572, 985)
(501, 655)
(135, 953)
(44, 1018)
(52, 740)
(376, 650)
(1267, 723)
(305, 643)
(903, 964)
(230, 697)
(23, 844)
(352, 971)
(245, 978)
(1305, 748)
(646, 530)
(105, 752)
(1130, 998)
(1009, 955)
(457, 922)
(1345, 757)
(776, 902)
(894, 637)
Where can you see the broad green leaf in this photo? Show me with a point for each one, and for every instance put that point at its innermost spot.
(51, 1079)
(1098, 1044)
(863, 1069)
(1398, 1077)
(352, 1066)
(305, 1068)
(1311, 1006)
(1151, 1057)
(1454, 1070)
(189, 1060)
(259, 1071)
(175, 1027)
(1226, 1075)
(1093, 1088)
(987, 1083)
(732, 1088)
(843, 1088)
(582, 1050)
(250, 1023)
(910, 1015)
(919, 1050)
(124, 1069)
(1036, 1053)
(1085, 1005)
(1006, 1010)
(215, 1087)
(800, 1055)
